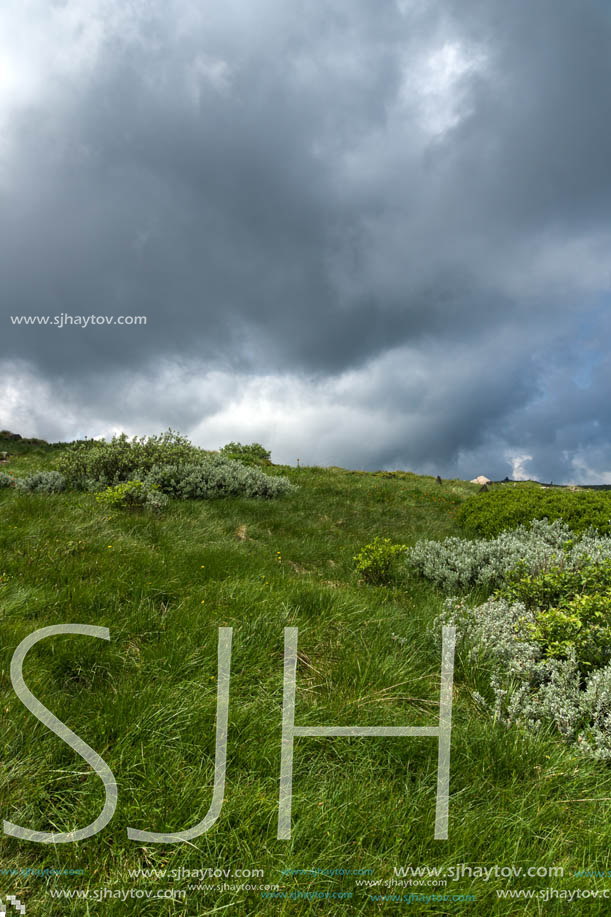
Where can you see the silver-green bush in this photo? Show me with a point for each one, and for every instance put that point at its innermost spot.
(596, 704)
(6, 480)
(171, 463)
(458, 563)
(214, 476)
(527, 688)
(43, 482)
(92, 463)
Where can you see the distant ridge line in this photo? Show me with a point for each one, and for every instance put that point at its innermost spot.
(551, 484)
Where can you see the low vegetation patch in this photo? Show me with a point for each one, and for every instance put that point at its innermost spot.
(526, 686)
(251, 454)
(43, 482)
(461, 563)
(375, 562)
(97, 462)
(133, 495)
(169, 464)
(572, 609)
(215, 476)
(544, 635)
(505, 507)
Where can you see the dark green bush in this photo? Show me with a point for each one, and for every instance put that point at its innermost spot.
(506, 507)
(582, 624)
(251, 454)
(106, 463)
(133, 495)
(167, 463)
(572, 609)
(557, 584)
(375, 561)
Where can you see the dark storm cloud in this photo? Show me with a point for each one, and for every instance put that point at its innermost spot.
(153, 191)
(410, 196)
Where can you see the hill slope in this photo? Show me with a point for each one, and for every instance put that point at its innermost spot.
(146, 702)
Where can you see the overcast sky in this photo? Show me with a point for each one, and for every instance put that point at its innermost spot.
(368, 233)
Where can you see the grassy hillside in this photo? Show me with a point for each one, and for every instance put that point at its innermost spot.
(146, 702)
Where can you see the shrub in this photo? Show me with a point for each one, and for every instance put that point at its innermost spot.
(459, 563)
(572, 607)
(556, 584)
(527, 686)
(170, 464)
(583, 625)
(99, 462)
(254, 453)
(43, 482)
(215, 476)
(595, 738)
(131, 495)
(6, 480)
(375, 561)
(496, 628)
(505, 507)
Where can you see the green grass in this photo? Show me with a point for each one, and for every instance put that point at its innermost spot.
(146, 702)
